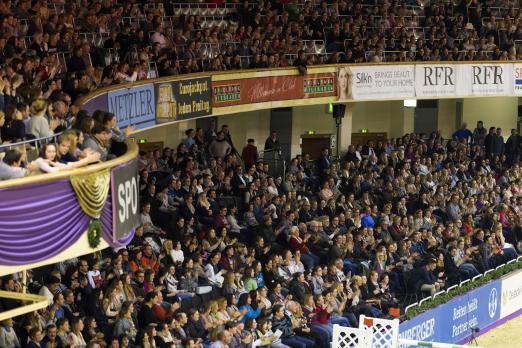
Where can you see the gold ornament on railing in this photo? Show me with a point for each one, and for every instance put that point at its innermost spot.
(91, 191)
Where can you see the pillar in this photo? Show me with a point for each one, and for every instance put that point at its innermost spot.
(346, 129)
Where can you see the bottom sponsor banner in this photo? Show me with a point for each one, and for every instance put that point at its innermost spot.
(511, 294)
(453, 321)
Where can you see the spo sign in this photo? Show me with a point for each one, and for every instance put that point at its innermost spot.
(125, 199)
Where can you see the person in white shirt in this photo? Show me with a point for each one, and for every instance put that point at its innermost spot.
(177, 254)
(159, 37)
(215, 276)
(146, 221)
(49, 289)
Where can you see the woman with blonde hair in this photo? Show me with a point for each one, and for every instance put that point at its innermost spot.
(38, 124)
(127, 290)
(221, 313)
(344, 83)
(229, 284)
(75, 336)
(113, 301)
(203, 209)
(124, 323)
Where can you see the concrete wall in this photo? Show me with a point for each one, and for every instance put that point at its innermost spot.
(170, 134)
(386, 116)
(447, 117)
(496, 111)
(314, 117)
(255, 124)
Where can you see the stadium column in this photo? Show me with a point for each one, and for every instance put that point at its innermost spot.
(346, 129)
(401, 119)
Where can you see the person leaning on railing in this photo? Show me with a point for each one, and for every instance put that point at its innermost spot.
(11, 166)
(98, 141)
(48, 161)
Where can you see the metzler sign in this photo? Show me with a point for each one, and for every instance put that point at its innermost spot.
(125, 200)
(133, 106)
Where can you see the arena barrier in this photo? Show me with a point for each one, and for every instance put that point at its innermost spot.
(379, 333)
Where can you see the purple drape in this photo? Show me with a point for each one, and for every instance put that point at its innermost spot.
(39, 221)
(106, 219)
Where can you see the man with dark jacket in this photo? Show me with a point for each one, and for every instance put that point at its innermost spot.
(427, 282)
(284, 324)
(194, 327)
(488, 141)
(239, 182)
(71, 309)
(513, 147)
(497, 143)
(323, 163)
(146, 314)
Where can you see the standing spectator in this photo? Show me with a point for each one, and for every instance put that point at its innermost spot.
(479, 134)
(323, 163)
(272, 142)
(463, 133)
(219, 147)
(513, 147)
(249, 154)
(488, 141)
(497, 143)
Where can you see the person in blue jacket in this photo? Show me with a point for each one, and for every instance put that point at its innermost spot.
(245, 306)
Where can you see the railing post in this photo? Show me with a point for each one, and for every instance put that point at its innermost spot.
(24, 281)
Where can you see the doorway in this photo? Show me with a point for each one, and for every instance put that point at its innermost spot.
(426, 116)
(314, 144)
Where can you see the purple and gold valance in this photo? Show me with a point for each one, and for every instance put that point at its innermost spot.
(38, 221)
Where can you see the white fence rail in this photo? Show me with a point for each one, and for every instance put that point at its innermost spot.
(379, 333)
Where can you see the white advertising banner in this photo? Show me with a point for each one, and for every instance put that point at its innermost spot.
(511, 299)
(392, 82)
(485, 79)
(383, 82)
(517, 78)
(436, 80)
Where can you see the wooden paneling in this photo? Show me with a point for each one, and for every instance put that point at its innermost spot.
(364, 138)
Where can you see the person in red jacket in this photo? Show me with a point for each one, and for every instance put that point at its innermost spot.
(249, 154)
(164, 310)
(297, 243)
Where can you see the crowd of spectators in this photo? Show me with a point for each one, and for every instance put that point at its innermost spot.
(228, 255)
(77, 46)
